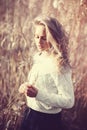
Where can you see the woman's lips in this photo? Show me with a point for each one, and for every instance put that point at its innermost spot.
(40, 47)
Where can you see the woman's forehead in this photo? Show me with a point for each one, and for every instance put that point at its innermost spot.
(40, 29)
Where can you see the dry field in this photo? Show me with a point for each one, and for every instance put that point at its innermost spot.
(17, 47)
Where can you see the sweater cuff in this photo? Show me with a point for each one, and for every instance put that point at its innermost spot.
(40, 95)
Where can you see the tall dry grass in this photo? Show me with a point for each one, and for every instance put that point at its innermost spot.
(17, 47)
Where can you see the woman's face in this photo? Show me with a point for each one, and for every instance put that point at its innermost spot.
(40, 38)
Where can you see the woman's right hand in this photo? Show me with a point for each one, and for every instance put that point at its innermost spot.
(23, 87)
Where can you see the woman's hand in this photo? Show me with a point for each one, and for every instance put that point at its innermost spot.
(23, 87)
(31, 91)
(27, 89)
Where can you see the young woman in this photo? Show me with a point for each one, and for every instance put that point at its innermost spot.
(49, 88)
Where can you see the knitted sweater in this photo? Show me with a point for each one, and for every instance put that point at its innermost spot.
(55, 90)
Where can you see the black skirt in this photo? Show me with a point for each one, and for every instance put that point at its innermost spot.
(34, 120)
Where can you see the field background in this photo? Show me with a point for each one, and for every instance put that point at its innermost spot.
(17, 47)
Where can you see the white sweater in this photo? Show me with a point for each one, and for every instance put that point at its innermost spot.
(55, 90)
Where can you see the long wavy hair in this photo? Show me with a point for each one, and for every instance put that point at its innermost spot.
(57, 37)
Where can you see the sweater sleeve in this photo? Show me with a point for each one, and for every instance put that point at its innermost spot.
(65, 96)
(32, 76)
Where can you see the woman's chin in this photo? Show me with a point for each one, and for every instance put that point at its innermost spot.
(40, 49)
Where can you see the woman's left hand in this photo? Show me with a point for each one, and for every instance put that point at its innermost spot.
(31, 91)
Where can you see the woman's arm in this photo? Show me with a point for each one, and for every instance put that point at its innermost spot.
(65, 96)
(26, 86)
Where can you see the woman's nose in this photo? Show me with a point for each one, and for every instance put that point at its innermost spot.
(39, 40)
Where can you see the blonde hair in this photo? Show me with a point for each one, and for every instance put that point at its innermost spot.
(57, 37)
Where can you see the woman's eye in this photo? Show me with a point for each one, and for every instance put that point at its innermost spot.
(44, 38)
(36, 36)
